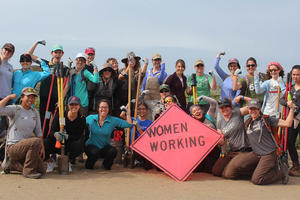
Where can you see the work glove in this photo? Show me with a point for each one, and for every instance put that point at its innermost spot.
(237, 72)
(60, 136)
(43, 42)
(146, 61)
(211, 73)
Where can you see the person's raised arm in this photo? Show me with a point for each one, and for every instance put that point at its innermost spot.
(289, 120)
(213, 83)
(218, 69)
(212, 105)
(6, 99)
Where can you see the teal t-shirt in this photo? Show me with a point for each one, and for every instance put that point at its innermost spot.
(203, 86)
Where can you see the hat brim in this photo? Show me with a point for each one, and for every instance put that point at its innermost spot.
(125, 60)
(107, 68)
(30, 93)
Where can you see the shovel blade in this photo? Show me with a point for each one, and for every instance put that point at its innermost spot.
(63, 164)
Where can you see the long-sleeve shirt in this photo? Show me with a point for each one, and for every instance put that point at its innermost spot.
(270, 97)
(178, 88)
(161, 75)
(100, 135)
(75, 128)
(226, 87)
(6, 73)
(28, 78)
(80, 89)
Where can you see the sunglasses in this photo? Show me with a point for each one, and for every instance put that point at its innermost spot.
(273, 70)
(200, 65)
(164, 91)
(169, 101)
(252, 65)
(157, 59)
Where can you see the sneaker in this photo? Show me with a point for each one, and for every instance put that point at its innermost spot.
(295, 171)
(33, 175)
(50, 166)
(70, 167)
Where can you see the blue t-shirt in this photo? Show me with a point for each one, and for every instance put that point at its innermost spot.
(143, 124)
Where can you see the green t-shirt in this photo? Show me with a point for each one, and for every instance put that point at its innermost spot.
(203, 86)
(248, 88)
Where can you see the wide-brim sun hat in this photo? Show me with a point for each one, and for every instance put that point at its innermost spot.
(107, 66)
(130, 54)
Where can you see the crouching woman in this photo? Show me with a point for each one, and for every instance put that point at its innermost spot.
(24, 151)
(264, 146)
(101, 126)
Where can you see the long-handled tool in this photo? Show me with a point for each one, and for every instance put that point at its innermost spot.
(62, 160)
(194, 87)
(131, 158)
(125, 156)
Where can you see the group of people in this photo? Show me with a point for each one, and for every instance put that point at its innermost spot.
(98, 101)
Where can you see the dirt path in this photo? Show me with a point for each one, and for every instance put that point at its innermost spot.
(120, 183)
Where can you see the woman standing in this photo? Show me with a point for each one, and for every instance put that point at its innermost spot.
(25, 153)
(101, 126)
(73, 135)
(205, 83)
(25, 77)
(273, 87)
(177, 83)
(229, 87)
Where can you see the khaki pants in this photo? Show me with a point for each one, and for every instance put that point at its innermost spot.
(25, 156)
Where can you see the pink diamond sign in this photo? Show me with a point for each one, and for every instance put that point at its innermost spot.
(176, 143)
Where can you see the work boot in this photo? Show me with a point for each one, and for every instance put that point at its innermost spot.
(295, 171)
(33, 175)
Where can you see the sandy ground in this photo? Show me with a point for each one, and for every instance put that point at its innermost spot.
(121, 183)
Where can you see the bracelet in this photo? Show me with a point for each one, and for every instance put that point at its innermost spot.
(243, 97)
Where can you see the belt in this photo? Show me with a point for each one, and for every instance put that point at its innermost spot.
(248, 149)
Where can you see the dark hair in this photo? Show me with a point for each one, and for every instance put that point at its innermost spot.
(142, 103)
(136, 66)
(251, 59)
(180, 61)
(268, 75)
(295, 67)
(105, 101)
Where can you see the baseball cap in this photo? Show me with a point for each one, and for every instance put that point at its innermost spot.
(57, 47)
(156, 56)
(254, 103)
(197, 62)
(29, 91)
(25, 58)
(90, 50)
(9, 46)
(226, 102)
(164, 86)
(74, 99)
(80, 55)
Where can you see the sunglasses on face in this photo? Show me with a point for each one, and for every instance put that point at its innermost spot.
(273, 70)
(164, 91)
(169, 101)
(252, 65)
(9, 50)
(157, 59)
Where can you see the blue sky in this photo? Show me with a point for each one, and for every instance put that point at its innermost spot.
(267, 29)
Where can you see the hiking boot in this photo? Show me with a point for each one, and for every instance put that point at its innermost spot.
(50, 166)
(295, 171)
(33, 175)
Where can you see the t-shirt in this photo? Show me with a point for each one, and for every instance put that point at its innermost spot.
(271, 108)
(233, 130)
(248, 88)
(143, 124)
(26, 123)
(6, 73)
(203, 86)
(257, 129)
